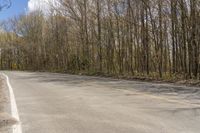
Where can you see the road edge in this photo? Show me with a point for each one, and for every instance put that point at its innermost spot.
(14, 111)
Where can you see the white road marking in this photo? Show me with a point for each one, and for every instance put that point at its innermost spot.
(14, 112)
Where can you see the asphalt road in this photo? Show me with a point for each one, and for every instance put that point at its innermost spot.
(61, 103)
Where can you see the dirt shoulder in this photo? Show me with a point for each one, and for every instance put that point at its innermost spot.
(5, 118)
(189, 82)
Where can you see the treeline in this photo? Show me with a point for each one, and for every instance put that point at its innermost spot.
(146, 38)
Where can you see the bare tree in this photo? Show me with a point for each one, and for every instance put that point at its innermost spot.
(148, 38)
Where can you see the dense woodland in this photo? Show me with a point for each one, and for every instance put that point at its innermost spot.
(130, 38)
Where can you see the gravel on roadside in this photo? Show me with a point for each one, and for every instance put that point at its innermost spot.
(6, 119)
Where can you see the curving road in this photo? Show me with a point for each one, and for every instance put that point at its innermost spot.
(61, 103)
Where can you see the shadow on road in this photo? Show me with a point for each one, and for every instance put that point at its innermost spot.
(153, 88)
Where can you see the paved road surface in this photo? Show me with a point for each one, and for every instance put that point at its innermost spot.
(59, 103)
